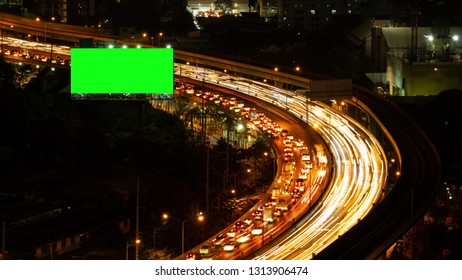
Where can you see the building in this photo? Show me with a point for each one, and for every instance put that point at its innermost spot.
(11, 3)
(79, 12)
(313, 15)
(434, 63)
(207, 7)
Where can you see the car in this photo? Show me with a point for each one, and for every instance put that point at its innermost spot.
(277, 212)
(193, 256)
(190, 90)
(300, 184)
(232, 233)
(305, 169)
(245, 237)
(299, 143)
(257, 231)
(239, 225)
(230, 246)
(219, 239)
(257, 214)
(296, 193)
(206, 249)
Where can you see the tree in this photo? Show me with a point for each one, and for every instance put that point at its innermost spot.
(6, 76)
(224, 6)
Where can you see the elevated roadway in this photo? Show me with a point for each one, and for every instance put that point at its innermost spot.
(414, 191)
(420, 173)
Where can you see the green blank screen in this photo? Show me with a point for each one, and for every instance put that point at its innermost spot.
(125, 71)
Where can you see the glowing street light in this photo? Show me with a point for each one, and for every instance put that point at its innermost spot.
(166, 217)
(137, 243)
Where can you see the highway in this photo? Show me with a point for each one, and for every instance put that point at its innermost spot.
(353, 220)
(415, 188)
(359, 172)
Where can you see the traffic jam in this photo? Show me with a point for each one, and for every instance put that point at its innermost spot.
(284, 193)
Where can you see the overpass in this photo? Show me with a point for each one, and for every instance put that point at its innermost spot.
(421, 170)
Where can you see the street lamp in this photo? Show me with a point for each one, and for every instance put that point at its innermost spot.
(159, 38)
(137, 243)
(45, 37)
(276, 69)
(200, 218)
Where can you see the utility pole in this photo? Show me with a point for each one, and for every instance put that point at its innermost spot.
(137, 212)
(3, 238)
(137, 223)
(207, 193)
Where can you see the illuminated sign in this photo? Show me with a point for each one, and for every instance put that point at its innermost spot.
(122, 71)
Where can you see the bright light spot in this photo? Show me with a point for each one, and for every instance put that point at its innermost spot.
(429, 38)
(455, 37)
(124, 46)
(138, 46)
(111, 46)
(168, 46)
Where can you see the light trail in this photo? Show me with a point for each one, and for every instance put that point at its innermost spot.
(359, 172)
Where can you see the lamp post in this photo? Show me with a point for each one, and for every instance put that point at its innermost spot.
(287, 80)
(136, 241)
(159, 38)
(45, 37)
(200, 218)
(274, 162)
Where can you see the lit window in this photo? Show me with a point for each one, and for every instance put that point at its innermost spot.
(334, 12)
(313, 12)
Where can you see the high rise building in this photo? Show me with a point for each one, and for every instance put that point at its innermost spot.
(82, 12)
(312, 15)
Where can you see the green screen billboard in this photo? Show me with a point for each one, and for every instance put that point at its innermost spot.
(122, 71)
